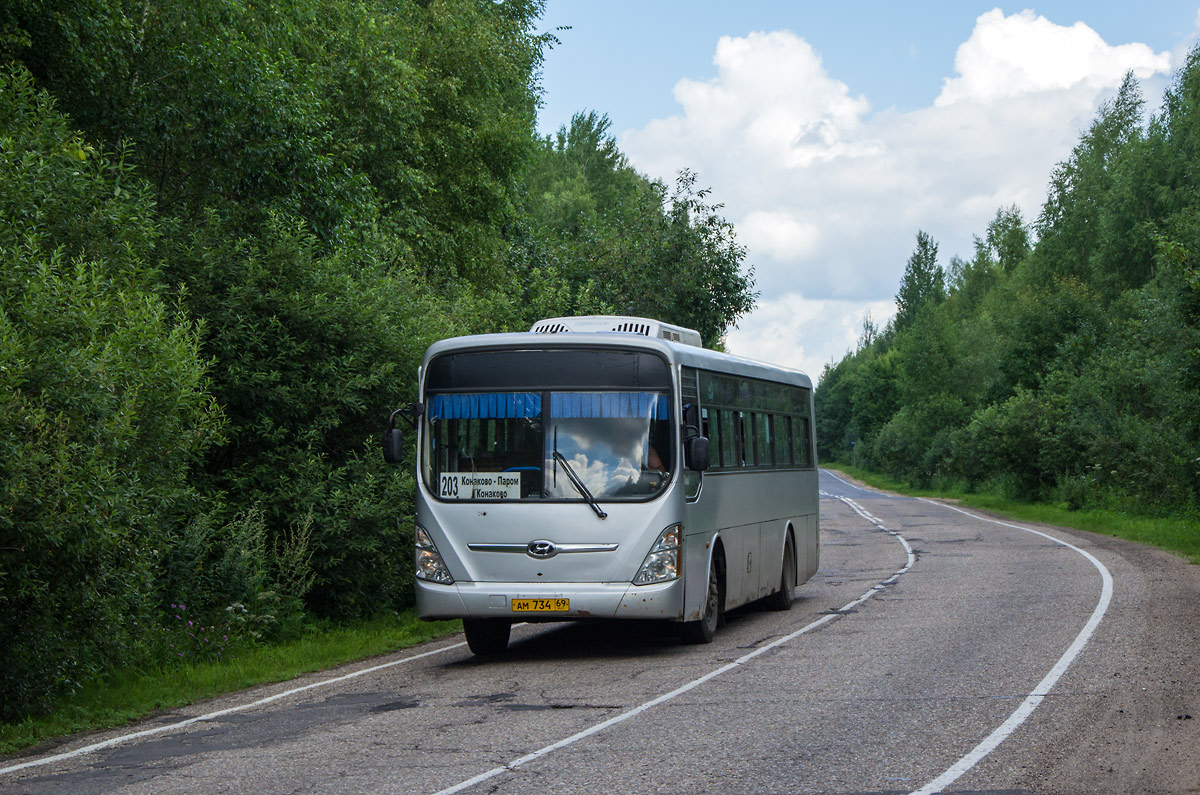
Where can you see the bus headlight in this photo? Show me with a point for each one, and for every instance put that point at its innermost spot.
(429, 563)
(665, 560)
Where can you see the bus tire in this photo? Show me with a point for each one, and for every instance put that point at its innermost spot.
(486, 636)
(782, 599)
(702, 631)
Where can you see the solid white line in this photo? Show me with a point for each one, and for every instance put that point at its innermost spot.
(851, 485)
(624, 716)
(1043, 688)
(219, 713)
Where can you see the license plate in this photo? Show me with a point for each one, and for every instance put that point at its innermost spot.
(541, 605)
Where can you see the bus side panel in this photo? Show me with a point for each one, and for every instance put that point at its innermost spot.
(751, 510)
(718, 513)
(742, 545)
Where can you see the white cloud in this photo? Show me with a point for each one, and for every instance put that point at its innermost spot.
(1024, 54)
(778, 234)
(795, 117)
(828, 197)
(771, 106)
(780, 329)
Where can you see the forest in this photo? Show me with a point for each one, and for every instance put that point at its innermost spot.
(228, 231)
(1061, 363)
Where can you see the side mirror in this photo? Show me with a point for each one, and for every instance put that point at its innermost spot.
(393, 437)
(393, 445)
(695, 453)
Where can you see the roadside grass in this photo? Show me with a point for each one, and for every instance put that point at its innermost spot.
(128, 695)
(1180, 534)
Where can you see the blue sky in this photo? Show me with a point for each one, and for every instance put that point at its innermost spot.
(623, 58)
(832, 132)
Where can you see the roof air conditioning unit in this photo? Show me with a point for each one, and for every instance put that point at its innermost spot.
(622, 325)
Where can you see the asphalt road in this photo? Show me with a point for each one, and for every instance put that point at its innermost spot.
(934, 651)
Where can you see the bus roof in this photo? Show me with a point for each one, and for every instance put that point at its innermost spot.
(673, 352)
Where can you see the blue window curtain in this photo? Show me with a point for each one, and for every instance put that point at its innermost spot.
(485, 406)
(563, 405)
(609, 405)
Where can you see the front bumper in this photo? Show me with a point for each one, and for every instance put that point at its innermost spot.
(588, 600)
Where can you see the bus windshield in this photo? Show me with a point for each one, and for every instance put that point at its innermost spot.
(520, 445)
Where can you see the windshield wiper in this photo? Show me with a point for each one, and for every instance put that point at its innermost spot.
(579, 486)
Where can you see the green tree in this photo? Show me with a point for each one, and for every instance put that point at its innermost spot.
(923, 284)
(1008, 238)
(833, 410)
(619, 242)
(336, 112)
(1072, 226)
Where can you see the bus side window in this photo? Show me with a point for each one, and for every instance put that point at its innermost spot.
(739, 439)
(729, 456)
(763, 428)
(748, 434)
(783, 440)
(710, 427)
(800, 441)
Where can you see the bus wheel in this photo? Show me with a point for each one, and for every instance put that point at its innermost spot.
(782, 599)
(487, 635)
(702, 631)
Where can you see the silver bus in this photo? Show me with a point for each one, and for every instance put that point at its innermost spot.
(607, 467)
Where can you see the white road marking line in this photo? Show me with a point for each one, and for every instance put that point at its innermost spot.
(624, 716)
(1043, 688)
(912, 558)
(219, 713)
(848, 483)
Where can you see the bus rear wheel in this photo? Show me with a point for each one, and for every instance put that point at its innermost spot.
(702, 631)
(487, 636)
(782, 599)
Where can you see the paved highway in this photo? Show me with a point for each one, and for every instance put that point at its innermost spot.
(936, 650)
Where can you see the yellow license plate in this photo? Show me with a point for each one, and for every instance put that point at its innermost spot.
(541, 605)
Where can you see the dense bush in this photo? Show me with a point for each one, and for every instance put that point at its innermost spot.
(104, 406)
(311, 352)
